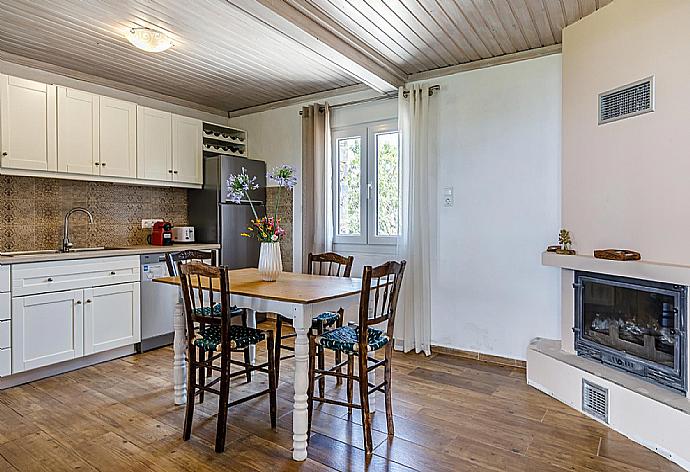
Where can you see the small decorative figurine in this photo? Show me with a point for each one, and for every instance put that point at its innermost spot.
(565, 242)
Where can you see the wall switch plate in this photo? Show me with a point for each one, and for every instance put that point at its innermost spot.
(148, 224)
(448, 198)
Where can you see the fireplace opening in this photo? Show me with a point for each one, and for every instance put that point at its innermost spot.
(635, 325)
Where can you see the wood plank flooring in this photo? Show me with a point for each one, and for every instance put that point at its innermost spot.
(452, 414)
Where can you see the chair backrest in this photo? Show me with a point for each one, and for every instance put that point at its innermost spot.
(172, 258)
(380, 290)
(200, 296)
(330, 263)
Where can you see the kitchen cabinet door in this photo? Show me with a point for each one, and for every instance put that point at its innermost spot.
(46, 329)
(77, 131)
(154, 144)
(27, 124)
(187, 157)
(118, 138)
(111, 317)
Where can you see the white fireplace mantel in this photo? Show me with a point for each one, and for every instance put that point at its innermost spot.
(656, 271)
(662, 417)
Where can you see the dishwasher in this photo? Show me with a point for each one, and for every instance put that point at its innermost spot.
(157, 303)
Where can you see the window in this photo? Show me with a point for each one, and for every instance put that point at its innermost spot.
(366, 192)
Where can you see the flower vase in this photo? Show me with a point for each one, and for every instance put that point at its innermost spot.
(270, 262)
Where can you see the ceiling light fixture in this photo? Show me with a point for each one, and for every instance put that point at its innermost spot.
(149, 40)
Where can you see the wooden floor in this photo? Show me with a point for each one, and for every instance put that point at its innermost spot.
(452, 414)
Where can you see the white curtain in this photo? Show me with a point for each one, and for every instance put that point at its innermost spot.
(317, 204)
(419, 222)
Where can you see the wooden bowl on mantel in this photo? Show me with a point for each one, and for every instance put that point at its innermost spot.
(617, 254)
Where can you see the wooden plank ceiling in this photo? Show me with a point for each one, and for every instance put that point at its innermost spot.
(222, 58)
(421, 35)
(234, 54)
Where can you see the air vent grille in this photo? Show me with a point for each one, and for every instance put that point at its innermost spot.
(630, 100)
(595, 401)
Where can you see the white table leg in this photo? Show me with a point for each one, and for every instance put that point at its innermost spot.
(299, 413)
(179, 364)
(251, 323)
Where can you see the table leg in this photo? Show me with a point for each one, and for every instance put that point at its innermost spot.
(251, 323)
(179, 364)
(299, 414)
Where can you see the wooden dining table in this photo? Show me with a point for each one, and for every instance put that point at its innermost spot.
(295, 296)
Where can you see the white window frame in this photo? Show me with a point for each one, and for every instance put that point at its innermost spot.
(368, 185)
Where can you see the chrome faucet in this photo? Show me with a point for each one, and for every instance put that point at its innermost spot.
(66, 244)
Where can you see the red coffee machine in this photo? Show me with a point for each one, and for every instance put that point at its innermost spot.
(161, 234)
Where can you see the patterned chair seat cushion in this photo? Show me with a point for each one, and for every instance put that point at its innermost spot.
(345, 339)
(240, 337)
(208, 311)
(327, 319)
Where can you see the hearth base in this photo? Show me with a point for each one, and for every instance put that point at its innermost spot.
(650, 415)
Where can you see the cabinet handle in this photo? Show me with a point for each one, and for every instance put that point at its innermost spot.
(112, 272)
(88, 301)
(78, 302)
(4, 153)
(50, 279)
(170, 171)
(103, 164)
(97, 163)
(174, 172)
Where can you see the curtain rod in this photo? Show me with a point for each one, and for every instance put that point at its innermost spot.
(389, 96)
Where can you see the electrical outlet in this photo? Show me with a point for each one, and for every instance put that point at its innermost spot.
(148, 224)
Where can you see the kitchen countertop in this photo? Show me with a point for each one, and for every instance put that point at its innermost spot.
(107, 252)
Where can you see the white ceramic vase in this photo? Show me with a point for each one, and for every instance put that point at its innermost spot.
(270, 262)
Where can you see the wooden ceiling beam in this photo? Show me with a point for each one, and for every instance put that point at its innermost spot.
(321, 35)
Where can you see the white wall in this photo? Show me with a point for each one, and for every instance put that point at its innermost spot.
(625, 183)
(500, 148)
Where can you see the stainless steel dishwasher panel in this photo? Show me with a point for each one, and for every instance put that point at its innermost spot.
(157, 303)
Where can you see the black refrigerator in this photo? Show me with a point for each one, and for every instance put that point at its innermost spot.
(218, 220)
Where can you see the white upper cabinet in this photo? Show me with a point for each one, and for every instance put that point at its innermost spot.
(187, 158)
(154, 144)
(118, 138)
(77, 131)
(48, 128)
(27, 124)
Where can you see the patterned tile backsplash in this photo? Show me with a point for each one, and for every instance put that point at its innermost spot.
(32, 211)
(285, 212)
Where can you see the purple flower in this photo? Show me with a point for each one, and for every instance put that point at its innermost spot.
(284, 176)
(239, 185)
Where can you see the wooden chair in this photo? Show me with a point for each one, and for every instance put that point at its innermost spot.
(331, 264)
(215, 333)
(380, 288)
(189, 255)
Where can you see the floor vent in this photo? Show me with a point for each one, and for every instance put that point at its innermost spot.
(595, 401)
(630, 100)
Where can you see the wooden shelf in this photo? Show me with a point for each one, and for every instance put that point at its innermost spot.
(225, 140)
(225, 153)
(227, 137)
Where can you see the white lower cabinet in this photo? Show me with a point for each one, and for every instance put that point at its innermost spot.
(65, 310)
(111, 317)
(46, 329)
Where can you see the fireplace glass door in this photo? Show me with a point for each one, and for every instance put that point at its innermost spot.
(636, 325)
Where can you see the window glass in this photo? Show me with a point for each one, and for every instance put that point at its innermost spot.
(387, 185)
(349, 182)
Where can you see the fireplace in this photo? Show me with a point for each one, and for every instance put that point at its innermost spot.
(634, 325)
